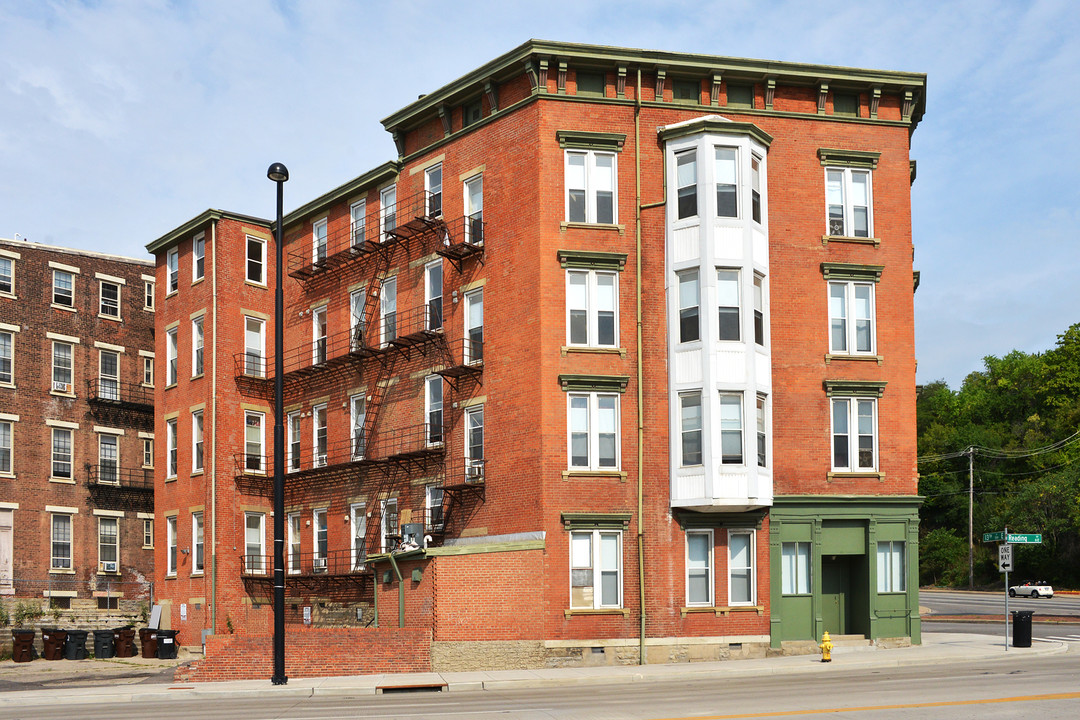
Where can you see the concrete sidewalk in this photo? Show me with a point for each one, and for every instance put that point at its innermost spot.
(937, 648)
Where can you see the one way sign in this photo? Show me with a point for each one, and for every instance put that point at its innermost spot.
(1005, 557)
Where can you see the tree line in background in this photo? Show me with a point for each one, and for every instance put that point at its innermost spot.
(1020, 416)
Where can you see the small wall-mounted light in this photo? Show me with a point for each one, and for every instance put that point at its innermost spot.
(185, 551)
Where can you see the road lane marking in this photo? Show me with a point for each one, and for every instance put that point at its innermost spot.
(871, 708)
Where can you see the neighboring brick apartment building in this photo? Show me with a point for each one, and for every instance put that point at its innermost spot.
(76, 426)
(623, 341)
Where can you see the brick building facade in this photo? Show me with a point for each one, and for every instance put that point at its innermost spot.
(76, 426)
(614, 362)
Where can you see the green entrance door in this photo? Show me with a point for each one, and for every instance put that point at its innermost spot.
(836, 594)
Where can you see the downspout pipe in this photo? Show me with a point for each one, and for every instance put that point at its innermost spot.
(640, 392)
(213, 431)
(400, 591)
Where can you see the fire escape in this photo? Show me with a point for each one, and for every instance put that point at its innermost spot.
(382, 344)
(120, 404)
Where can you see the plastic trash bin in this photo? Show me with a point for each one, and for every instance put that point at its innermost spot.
(22, 646)
(148, 642)
(1022, 627)
(52, 641)
(75, 645)
(166, 644)
(103, 644)
(124, 642)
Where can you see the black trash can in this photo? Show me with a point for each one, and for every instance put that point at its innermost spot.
(124, 641)
(75, 645)
(103, 644)
(166, 644)
(1022, 627)
(22, 646)
(148, 642)
(52, 641)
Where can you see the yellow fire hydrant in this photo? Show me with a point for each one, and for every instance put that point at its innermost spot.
(826, 648)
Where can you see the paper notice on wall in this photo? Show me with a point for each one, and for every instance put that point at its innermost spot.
(183, 611)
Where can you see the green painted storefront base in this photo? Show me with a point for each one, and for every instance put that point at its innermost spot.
(842, 533)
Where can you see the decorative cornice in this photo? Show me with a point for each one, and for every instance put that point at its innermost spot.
(875, 100)
(714, 91)
(599, 521)
(589, 140)
(444, 116)
(854, 388)
(192, 225)
(594, 383)
(620, 81)
(770, 92)
(851, 271)
(661, 80)
(689, 520)
(912, 167)
(848, 158)
(715, 124)
(560, 78)
(491, 90)
(917, 276)
(592, 259)
(822, 94)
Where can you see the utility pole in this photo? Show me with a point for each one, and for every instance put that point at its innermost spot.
(971, 517)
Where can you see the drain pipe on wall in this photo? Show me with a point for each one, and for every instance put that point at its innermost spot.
(213, 436)
(640, 410)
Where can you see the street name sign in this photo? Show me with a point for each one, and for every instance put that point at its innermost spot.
(1005, 557)
(1023, 538)
(994, 537)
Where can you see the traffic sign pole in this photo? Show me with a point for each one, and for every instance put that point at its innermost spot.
(1006, 534)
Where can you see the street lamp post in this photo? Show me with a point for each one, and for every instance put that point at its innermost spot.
(279, 174)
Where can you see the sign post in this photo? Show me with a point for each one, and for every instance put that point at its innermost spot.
(1005, 560)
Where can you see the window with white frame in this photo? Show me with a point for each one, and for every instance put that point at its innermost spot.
(172, 354)
(109, 296)
(727, 182)
(254, 461)
(148, 532)
(595, 569)
(197, 441)
(254, 543)
(148, 294)
(148, 371)
(61, 542)
(357, 299)
(854, 423)
(319, 544)
(254, 347)
(686, 184)
(293, 561)
(474, 210)
(433, 186)
(108, 375)
(433, 408)
(197, 554)
(795, 568)
(7, 357)
(318, 241)
(256, 260)
(591, 187)
(147, 452)
(7, 276)
(292, 442)
(741, 581)
(318, 419)
(594, 431)
(388, 310)
(63, 288)
(890, 566)
(474, 326)
(318, 335)
(690, 428)
(388, 524)
(731, 428)
(591, 308)
(198, 257)
(755, 188)
(762, 425)
(7, 435)
(433, 508)
(689, 306)
(727, 301)
(62, 353)
(170, 448)
(108, 459)
(759, 309)
(387, 211)
(61, 453)
(108, 545)
(359, 534)
(357, 417)
(197, 341)
(699, 568)
(848, 200)
(172, 266)
(851, 318)
(474, 444)
(357, 213)
(170, 545)
(433, 294)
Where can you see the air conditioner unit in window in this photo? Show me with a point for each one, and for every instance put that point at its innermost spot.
(58, 386)
(109, 567)
(320, 565)
(474, 473)
(320, 461)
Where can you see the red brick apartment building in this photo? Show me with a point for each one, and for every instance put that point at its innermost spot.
(76, 426)
(614, 363)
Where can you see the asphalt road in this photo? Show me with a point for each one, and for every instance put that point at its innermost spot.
(1042, 687)
(993, 603)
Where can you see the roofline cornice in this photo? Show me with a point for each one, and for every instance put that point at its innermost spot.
(198, 221)
(387, 171)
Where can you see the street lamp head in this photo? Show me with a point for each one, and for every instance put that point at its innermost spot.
(278, 173)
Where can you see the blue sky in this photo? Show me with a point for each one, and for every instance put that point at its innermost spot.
(121, 119)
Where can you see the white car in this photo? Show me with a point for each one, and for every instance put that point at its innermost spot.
(1033, 589)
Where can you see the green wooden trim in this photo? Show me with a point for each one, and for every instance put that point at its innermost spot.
(808, 508)
(855, 388)
(719, 127)
(912, 171)
(594, 383)
(851, 271)
(592, 259)
(484, 548)
(848, 158)
(700, 521)
(596, 521)
(194, 224)
(367, 181)
(588, 140)
(917, 275)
